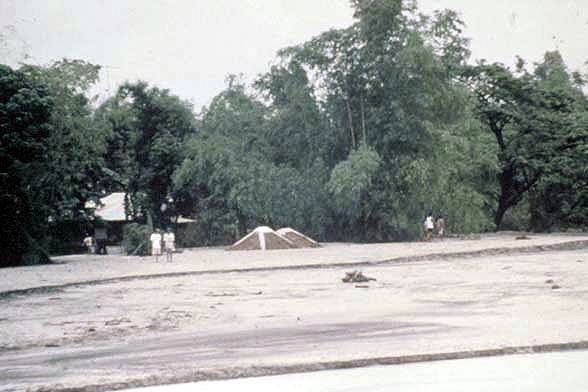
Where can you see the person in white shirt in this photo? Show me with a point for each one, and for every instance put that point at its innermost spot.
(169, 243)
(156, 243)
(429, 226)
(90, 244)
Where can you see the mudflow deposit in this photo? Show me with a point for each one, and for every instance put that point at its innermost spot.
(93, 323)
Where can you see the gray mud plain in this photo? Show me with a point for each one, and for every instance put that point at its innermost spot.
(112, 322)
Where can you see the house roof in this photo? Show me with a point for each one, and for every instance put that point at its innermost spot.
(111, 207)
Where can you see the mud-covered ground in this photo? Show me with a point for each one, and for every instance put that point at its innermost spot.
(117, 321)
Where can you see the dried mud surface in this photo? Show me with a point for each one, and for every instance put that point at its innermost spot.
(93, 323)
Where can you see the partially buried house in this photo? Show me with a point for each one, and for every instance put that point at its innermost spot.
(111, 218)
(299, 239)
(262, 238)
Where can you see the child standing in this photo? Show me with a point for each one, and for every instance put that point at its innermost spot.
(156, 243)
(169, 242)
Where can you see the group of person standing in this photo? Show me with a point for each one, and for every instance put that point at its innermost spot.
(434, 226)
(168, 240)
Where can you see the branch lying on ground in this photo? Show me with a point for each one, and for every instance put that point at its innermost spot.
(355, 277)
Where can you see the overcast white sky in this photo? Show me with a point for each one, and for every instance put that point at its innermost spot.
(190, 46)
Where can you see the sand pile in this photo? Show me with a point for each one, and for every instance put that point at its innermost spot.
(263, 238)
(299, 239)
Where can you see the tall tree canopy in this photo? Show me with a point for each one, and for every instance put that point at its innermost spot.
(25, 110)
(58, 164)
(561, 196)
(538, 121)
(389, 82)
(354, 129)
(147, 127)
(73, 169)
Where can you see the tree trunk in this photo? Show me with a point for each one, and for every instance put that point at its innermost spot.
(364, 134)
(350, 120)
(507, 195)
(241, 225)
(499, 215)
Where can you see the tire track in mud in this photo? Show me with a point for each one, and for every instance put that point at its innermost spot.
(261, 371)
(563, 246)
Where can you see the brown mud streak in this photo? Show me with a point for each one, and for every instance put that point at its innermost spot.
(571, 245)
(259, 371)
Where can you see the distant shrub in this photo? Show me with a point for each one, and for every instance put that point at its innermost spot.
(517, 218)
(135, 239)
(205, 233)
(190, 235)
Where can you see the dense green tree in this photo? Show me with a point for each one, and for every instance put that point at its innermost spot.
(389, 82)
(116, 116)
(560, 196)
(350, 185)
(386, 96)
(147, 127)
(25, 110)
(235, 177)
(297, 131)
(238, 116)
(230, 143)
(535, 125)
(73, 170)
(68, 169)
(202, 185)
(230, 192)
